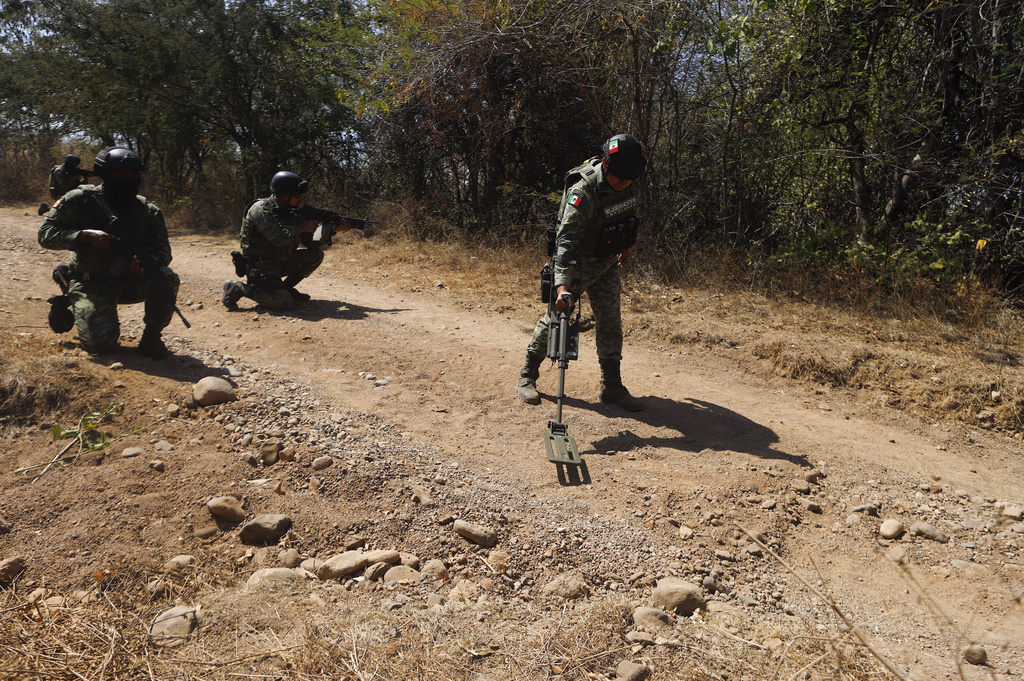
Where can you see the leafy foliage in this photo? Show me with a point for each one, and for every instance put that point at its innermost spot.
(844, 135)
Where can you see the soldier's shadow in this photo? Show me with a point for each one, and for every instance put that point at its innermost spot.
(181, 366)
(318, 310)
(697, 425)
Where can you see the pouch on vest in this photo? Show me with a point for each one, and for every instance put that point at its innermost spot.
(616, 238)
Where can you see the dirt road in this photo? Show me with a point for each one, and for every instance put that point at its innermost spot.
(720, 431)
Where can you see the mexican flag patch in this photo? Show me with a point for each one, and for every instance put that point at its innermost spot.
(613, 146)
(575, 200)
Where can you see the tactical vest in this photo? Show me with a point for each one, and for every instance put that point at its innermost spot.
(615, 222)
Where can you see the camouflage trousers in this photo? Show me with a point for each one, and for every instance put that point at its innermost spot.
(94, 303)
(601, 280)
(265, 284)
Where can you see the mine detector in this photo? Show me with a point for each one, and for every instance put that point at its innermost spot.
(563, 347)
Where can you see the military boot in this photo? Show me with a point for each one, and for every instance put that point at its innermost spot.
(233, 292)
(152, 345)
(526, 386)
(298, 296)
(612, 390)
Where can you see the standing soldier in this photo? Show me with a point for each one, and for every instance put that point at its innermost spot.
(97, 224)
(64, 177)
(271, 257)
(597, 226)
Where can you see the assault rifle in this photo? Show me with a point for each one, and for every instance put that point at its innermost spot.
(329, 221)
(130, 247)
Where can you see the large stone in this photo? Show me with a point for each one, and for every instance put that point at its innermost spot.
(173, 626)
(929, 532)
(342, 565)
(435, 568)
(891, 528)
(389, 556)
(265, 529)
(11, 568)
(651, 619)
(478, 534)
(227, 508)
(569, 586)
(402, 574)
(632, 671)
(679, 596)
(272, 578)
(213, 390)
(179, 563)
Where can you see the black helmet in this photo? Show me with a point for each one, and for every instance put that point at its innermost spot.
(71, 161)
(625, 157)
(117, 158)
(288, 184)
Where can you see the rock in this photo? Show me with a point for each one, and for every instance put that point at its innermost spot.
(810, 505)
(352, 542)
(290, 558)
(1015, 512)
(342, 565)
(685, 532)
(206, 532)
(265, 529)
(322, 462)
(11, 568)
(389, 556)
(311, 565)
(179, 563)
(651, 619)
(173, 626)
(402, 575)
(569, 586)
(478, 534)
(274, 577)
(213, 390)
(421, 496)
(975, 654)
(891, 528)
(131, 452)
(409, 560)
(929, 532)
(631, 671)
(5, 527)
(768, 504)
(227, 508)
(270, 452)
(157, 465)
(436, 569)
(641, 637)
(814, 476)
(679, 596)
(465, 591)
(375, 572)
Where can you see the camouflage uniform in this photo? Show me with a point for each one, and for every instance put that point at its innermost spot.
(589, 206)
(271, 240)
(62, 181)
(100, 278)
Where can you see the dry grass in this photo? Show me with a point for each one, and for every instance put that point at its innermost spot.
(102, 633)
(37, 379)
